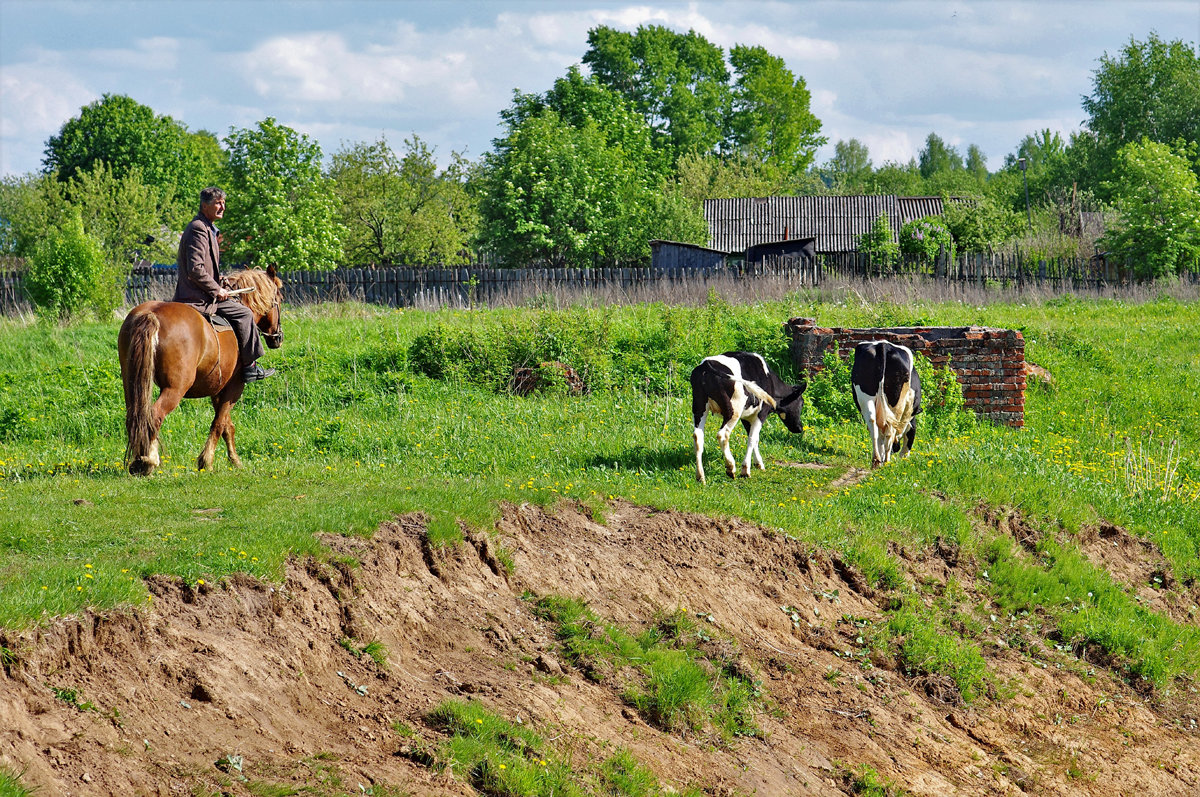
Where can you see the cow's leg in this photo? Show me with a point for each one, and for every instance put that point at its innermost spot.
(723, 435)
(910, 434)
(753, 427)
(698, 439)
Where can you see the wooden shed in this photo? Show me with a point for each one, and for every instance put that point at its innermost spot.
(673, 254)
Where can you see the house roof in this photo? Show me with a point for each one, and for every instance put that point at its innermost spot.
(836, 222)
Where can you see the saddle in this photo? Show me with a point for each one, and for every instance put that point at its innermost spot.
(219, 323)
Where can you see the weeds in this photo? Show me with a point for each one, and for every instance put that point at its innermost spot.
(12, 785)
(504, 759)
(664, 672)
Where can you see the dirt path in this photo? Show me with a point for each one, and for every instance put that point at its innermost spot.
(250, 674)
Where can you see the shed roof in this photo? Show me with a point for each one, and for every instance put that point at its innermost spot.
(836, 222)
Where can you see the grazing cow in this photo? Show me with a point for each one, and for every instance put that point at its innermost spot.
(888, 391)
(740, 386)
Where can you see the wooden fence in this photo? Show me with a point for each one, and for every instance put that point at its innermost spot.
(476, 287)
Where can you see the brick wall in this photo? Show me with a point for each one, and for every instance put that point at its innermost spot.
(989, 363)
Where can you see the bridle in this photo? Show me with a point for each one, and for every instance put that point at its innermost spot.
(276, 338)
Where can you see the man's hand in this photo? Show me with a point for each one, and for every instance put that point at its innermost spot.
(222, 294)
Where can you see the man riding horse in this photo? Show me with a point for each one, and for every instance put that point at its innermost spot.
(202, 287)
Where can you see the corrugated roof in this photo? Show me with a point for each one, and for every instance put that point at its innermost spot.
(836, 222)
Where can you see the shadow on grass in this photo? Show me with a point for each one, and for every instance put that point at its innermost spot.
(640, 459)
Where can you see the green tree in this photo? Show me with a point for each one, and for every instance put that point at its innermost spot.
(402, 208)
(878, 242)
(1149, 90)
(938, 156)
(561, 194)
(701, 177)
(281, 209)
(678, 82)
(902, 179)
(123, 214)
(770, 118)
(980, 225)
(30, 206)
(1157, 195)
(849, 170)
(65, 272)
(125, 134)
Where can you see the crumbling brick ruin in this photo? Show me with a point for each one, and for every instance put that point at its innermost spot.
(989, 363)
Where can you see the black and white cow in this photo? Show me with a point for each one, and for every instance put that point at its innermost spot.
(888, 392)
(738, 385)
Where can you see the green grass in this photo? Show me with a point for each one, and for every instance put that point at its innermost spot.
(674, 684)
(11, 784)
(354, 430)
(505, 759)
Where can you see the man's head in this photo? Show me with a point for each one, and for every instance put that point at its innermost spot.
(212, 203)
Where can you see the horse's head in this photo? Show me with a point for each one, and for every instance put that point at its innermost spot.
(264, 301)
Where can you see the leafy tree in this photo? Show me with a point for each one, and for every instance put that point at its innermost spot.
(125, 134)
(398, 209)
(1159, 201)
(902, 179)
(674, 217)
(123, 214)
(938, 156)
(849, 169)
(30, 206)
(922, 239)
(562, 195)
(701, 177)
(770, 119)
(977, 164)
(281, 209)
(678, 82)
(980, 225)
(878, 242)
(577, 100)
(1150, 90)
(66, 270)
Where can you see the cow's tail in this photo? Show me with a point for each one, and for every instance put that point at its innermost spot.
(886, 417)
(753, 389)
(137, 378)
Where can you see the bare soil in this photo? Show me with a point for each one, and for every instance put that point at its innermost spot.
(253, 674)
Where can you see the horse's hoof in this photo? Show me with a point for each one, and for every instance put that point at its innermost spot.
(141, 467)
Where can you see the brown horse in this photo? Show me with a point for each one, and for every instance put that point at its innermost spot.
(172, 345)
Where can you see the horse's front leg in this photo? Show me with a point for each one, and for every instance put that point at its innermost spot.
(222, 428)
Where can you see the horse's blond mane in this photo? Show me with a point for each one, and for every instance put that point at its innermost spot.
(265, 288)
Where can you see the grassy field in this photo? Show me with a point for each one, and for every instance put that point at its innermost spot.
(377, 412)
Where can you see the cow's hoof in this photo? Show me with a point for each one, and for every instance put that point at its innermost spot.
(141, 467)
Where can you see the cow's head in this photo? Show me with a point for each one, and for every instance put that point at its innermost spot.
(791, 409)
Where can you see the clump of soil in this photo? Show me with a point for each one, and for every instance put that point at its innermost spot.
(223, 688)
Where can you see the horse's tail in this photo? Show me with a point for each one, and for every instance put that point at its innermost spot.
(137, 378)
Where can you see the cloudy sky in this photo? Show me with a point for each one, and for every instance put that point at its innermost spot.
(887, 73)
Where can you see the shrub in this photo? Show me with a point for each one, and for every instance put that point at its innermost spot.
(923, 238)
(878, 243)
(67, 272)
(829, 398)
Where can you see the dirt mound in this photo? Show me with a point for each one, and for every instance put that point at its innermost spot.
(206, 687)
